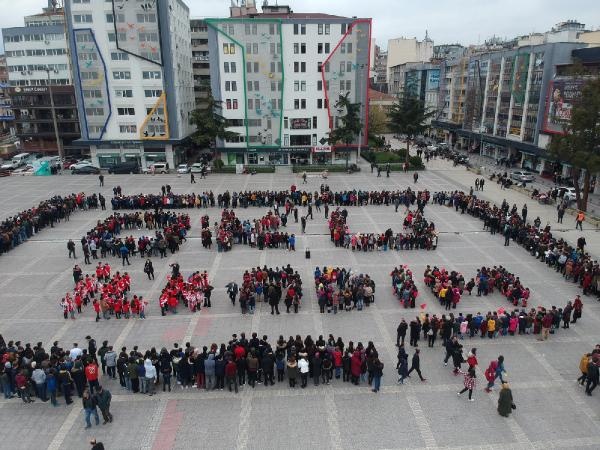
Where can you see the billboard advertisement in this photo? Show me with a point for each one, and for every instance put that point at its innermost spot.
(433, 79)
(562, 94)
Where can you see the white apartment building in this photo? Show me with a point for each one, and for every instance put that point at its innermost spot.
(133, 78)
(279, 74)
(407, 50)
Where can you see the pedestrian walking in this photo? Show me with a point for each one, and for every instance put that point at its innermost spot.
(71, 249)
(416, 365)
(505, 401)
(469, 383)
(579, 220)
(89, 408)
(101, 179)
(103, 398)
(377, 374)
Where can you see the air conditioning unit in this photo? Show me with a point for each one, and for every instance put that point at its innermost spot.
(47, 42)
(23, 72)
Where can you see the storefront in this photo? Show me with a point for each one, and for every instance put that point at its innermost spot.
(321, 154)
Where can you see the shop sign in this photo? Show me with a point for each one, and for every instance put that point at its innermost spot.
(322, 149)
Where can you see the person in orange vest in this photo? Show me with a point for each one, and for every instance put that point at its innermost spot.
(579, 220)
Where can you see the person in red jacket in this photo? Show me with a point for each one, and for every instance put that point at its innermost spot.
(337, 361)
(96, 305)
(91, 375)
(23, 387)
(230, 375)
(546, 325)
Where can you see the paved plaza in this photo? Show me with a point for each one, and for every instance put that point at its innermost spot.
(552, 411)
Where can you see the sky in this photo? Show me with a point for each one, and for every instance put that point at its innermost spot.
(447, 21)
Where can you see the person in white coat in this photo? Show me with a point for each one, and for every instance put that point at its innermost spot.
(150, 376)
(303, 366)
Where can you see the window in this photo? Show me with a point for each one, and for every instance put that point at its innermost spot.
(119, 56)
(232, 67)
(303, 67)
(299, 103)
(303, 103)
(235, 103)
(295, 28)
(300, 139)
(152, 92)
(320, 28)
(112, 37)
(122, 75)
(319, 85)
(327, 28)
(83, 56)
(342, 66)
(124, 93)
(319, 48)
(229, 49)
(296, 48)
(319, 67)
(314, 122)
(343, 28)
(349, 47)
(147, 17)
(296, 66)
(89, 75)
(327, 66)
(94, 111)
(228, 103)
(348, 67)
(255, 122)
(319, 103)
(128, 128)
(148, 36)
(272, 29)
(231, 85)
(296, 86)
(326, 47)
(92, 93)
(82, 18)
(285, 123)
(110, 18)
(83, 37)
(286, 140)
(151, 75)
(302, 29)
(226, 67)
(126, 111)
(275, 86)
(251, 103)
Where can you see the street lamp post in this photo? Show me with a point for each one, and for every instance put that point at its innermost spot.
(56, 136)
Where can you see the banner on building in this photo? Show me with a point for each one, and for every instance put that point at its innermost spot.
(433, 79)
(519, 82)
(562, 94)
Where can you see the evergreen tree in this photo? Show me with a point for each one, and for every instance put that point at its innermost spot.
(349, 125)
(409, 117)
(210, 124)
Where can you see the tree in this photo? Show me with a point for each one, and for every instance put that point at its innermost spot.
(210, 124)
(378, 121)
(349, 125)
(409, 116)
(579, 146)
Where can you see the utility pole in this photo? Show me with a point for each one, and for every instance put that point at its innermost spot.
(56, 136)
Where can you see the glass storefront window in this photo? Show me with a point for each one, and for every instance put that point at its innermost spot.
(106, 161)
(252, 158)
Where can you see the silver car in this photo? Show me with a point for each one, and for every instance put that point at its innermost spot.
(522, 175)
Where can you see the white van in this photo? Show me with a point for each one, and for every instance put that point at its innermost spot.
(17, 161)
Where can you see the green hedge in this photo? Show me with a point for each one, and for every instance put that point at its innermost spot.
(320, 168)
(394, 158)
(224, 169)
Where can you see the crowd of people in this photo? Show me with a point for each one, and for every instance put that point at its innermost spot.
(194, 293)
(108, 295)
(573, 262)
(589, 365)
(271, 199)
(342, 290)
(268, 285)
(508, 284)
(404, 286)
(17, 229)
(257, 233)
(417, 233)
(170, 231)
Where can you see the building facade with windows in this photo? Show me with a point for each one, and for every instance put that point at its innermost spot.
(38, 63)
(504, 104)
(279, 74)
(200, 61)
(133, 78)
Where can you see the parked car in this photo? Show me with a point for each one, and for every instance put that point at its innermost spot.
(522, 175)
(125, 167)
(183, 168)
(567, 193)
(196, 168)
(159, 167)
(79, 164)
(86, 170)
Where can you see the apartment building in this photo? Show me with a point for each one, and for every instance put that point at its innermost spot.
(132, 64)
(38, 65)
(200, 61)
(279, 75)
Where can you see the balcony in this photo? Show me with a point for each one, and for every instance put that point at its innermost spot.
(203, 58)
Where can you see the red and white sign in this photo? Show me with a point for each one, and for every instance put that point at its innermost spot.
(322, 149)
